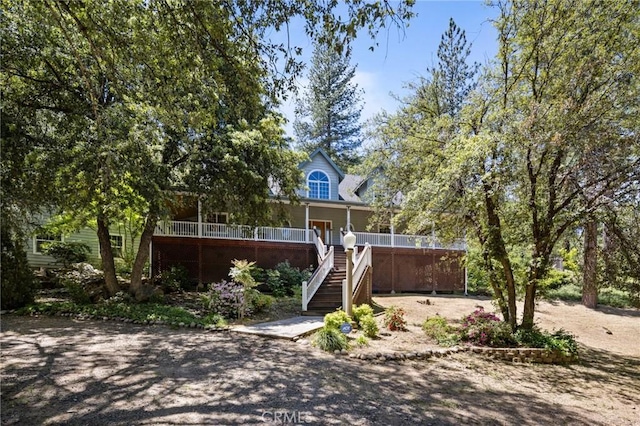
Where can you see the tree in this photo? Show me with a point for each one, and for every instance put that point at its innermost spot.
(549, 137)
(123, 103)
(327, 114)
(453, 76)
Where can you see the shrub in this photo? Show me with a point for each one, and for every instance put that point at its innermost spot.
(361, 311)
(175, 279)
(559, 340)
(18, 283)
(67, 252)
(259, 302)
(330, 339)
(77, 293)
(486, 329)
(394, 319)
(275, 284)
(439, 329)
(369, 326)
(335, 319)
(226, 298)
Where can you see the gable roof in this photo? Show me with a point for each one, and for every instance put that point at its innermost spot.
(320, 151)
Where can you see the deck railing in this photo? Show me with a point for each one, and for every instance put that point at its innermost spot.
(175, 228)
(406, 241)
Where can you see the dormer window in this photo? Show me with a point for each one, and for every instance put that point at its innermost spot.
(318, 183)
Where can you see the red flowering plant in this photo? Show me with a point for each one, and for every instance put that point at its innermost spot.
(486, 329)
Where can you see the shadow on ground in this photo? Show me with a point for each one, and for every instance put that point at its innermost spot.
(60, 371)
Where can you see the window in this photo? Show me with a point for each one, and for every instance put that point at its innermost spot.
(221, 218)
(117, 244)
(318, 183)
(39, 240)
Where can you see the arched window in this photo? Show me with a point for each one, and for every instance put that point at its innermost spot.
(318, 183)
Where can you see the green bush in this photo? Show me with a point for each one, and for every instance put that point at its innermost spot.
(330, 339)
(67, 252)
(439, 329)
(394, 319)
(361, 311)
(17, 280)
(175, 279)
(76, 291)
(259, 302)
(335, 319)
(275, 284)
(559, 340)
(369, 326)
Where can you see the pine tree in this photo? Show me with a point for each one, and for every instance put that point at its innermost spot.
(453, 76)
(328, 113)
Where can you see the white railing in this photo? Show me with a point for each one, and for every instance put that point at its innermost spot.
(228, 232)
(293, 235)
(406, 241)
(309, 288)
(362, 261)
(176, 228)
(321, 249)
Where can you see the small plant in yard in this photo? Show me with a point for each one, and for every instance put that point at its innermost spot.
(369, 326)
(335, 319)
(362, 341)
(394, 319)
(330, 339)
(360, 312)
(439, 329)
(486, 329)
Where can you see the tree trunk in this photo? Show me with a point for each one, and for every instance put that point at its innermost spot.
(590, 283)
(141, 257)
(106, 254)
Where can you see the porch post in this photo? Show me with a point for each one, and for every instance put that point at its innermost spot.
(433, 235)
(348, 218)
(306, 222)
(393, 236)
(199, 219)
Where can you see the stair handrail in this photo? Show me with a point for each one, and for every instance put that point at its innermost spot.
(310, 287)
(321, 248)
(362, 262)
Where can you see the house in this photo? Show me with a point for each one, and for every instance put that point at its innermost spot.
(123, 243)
(332, 203)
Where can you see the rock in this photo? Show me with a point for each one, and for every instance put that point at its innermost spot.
(192, 325)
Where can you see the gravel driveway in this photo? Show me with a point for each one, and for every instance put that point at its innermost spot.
(64, 371)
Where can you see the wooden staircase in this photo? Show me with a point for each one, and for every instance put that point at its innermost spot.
(328, 298)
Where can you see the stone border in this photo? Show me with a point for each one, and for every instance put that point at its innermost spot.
(527, 355)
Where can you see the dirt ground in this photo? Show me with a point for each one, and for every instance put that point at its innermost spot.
(65, 371)
(609, 329)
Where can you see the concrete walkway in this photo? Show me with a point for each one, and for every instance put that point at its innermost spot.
(289, 328)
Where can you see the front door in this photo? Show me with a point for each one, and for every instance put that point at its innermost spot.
(324, 228)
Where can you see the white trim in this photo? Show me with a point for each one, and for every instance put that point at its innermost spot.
(328, 183)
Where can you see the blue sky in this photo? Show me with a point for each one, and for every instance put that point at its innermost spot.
(403, 56)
